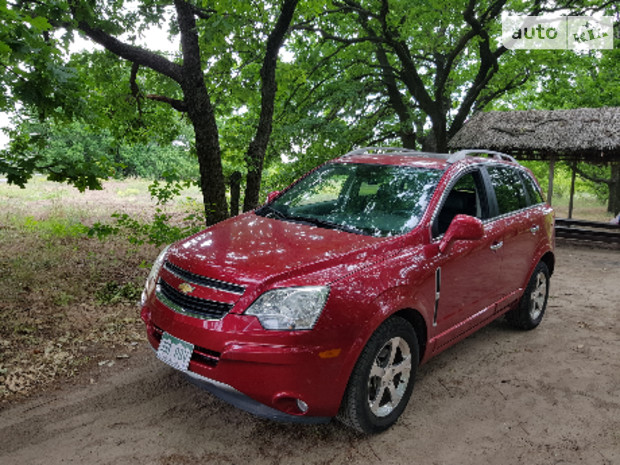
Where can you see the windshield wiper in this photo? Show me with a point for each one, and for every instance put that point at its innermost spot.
(269, 210)
(325, 224)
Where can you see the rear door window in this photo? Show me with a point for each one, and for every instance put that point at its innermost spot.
(509, 189)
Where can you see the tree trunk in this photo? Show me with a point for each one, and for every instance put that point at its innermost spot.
(408, 138)
(255, 156)
(202, 115)
(439, 132)
(210, 164)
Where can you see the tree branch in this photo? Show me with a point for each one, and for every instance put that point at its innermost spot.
(395, 98)
(202, 13)
(330, 36)
(409, 75)
(589, 177)
(487, 69)
(178, 105)
(513, 84)
(128, 52)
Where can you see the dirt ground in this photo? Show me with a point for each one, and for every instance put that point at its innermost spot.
(549, 396)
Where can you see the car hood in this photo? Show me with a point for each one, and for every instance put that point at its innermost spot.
(251, 249)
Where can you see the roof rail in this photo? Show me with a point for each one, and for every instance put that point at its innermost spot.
(394, 151)
(383, 150)
(461, 154)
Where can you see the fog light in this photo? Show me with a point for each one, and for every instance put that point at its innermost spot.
(302, 406)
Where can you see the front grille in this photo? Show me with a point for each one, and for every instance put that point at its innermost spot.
(203, 280)
(193, 306)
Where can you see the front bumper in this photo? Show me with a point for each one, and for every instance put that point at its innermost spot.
(267, 373)
(241, 401)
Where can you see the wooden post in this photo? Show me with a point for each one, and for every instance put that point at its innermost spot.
(572, 189)
(235, 192)
(551, 175)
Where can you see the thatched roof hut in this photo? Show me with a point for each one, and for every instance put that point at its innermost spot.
(589, 134)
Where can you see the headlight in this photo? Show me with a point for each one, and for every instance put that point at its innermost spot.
(151, 281)
(289, 309)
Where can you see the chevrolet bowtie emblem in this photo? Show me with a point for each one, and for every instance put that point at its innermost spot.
(186, 288)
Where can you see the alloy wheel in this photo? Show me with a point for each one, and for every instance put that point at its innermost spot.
(389, 376)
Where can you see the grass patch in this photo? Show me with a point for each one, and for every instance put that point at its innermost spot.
(53, 227)
(586, 207)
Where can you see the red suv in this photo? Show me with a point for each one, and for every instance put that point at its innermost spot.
(324, 301)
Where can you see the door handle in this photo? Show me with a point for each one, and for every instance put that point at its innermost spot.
(534, 229)
(497, 246)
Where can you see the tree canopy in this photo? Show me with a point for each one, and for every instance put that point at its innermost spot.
(254, 83)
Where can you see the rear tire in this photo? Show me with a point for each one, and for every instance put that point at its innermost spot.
(382, 380)
(533, 303)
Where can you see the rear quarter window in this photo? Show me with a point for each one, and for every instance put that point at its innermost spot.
(534, 194)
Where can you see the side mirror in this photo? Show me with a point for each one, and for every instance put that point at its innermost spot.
(272, 195)
(462, 228)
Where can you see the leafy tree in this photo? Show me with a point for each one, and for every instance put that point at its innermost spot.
(32, 68)
(207, 58)
(357, 72)
(426, 65)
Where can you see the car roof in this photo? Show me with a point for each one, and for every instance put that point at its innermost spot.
(407, 157)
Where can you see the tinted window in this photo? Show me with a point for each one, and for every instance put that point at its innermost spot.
(535, 196)
(509, 189)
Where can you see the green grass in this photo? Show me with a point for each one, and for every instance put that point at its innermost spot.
(586, 207)
(57, 226)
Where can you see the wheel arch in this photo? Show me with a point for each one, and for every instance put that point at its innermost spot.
(416, 320)
(549, 260)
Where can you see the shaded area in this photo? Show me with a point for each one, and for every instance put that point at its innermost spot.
(500, 396)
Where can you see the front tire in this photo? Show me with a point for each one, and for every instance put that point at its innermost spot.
(382, 380)
(533, 303)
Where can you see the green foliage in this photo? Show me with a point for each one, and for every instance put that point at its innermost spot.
(164, 228)
(172, 186)
(599, 190)
(562, 179)
(112, 293)
(128, 117)
(33, 71)
(82, 155)
(158, 232)
(152, 161)
(333, 84)
(65, 152)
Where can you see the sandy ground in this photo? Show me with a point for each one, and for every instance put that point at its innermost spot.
(550, 396)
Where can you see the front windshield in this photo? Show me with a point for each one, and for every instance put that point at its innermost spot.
(376, 200)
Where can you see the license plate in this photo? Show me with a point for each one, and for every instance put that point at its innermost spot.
(175, 352)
